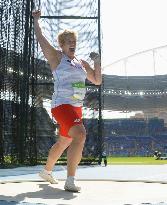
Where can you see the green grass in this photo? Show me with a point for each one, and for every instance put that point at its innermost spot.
(135, 161)
(110, 160)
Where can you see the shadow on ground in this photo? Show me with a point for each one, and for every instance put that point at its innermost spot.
(45, 192)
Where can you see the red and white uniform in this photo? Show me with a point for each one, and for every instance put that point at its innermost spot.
(69, 92)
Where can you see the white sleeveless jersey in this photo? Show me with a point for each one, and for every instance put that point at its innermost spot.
(69, 83)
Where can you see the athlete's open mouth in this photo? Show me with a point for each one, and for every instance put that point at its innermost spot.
(72, 49)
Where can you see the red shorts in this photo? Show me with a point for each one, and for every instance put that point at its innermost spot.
(67, 116)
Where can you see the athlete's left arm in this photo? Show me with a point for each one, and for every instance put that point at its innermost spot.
(93, 75)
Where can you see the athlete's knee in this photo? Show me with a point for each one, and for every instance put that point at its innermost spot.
(62, 142)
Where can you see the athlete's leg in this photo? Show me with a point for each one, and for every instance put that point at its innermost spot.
(54, 154)
(56, 151)
(74, 155)
(74, 152)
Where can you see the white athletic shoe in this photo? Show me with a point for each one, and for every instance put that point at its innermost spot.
(48, 177)
(70, 186)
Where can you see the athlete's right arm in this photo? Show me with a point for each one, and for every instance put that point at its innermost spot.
(51, 54)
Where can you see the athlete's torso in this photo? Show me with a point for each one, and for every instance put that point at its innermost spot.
(69, 83)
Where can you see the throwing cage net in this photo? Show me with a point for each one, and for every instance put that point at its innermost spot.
(27, 130)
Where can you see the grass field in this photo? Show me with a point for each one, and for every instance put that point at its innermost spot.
(110, 161)
(135, 160)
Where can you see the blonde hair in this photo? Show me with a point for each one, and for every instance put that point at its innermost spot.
(62, 36)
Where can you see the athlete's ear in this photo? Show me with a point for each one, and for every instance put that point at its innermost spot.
(60, 44)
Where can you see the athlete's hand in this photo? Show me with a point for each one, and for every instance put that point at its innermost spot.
(85, 64)
(95, 57)
(36, 14)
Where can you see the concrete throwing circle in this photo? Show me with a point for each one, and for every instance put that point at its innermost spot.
(93, 193)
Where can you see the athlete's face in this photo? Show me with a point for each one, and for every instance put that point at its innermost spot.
(69, 46)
